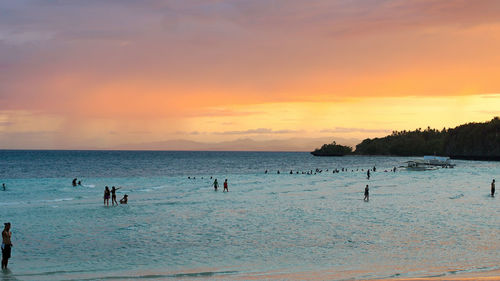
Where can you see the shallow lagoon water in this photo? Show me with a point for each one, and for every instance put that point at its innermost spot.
(268, 226)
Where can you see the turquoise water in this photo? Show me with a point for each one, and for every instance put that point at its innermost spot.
(268, 226)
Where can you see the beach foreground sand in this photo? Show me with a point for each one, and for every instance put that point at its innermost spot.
(487, 275)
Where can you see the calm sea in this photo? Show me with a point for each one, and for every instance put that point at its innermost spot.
(269, 226)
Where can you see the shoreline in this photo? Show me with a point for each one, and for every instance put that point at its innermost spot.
(490, 275)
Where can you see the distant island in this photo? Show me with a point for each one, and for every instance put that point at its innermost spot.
(332, 149)
(474, 141)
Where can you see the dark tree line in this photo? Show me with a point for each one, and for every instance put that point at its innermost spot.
(469, 141)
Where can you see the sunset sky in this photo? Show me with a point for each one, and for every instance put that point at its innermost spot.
(83, 74)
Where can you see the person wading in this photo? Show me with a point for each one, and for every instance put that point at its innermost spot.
(6, 245)
(493, 188)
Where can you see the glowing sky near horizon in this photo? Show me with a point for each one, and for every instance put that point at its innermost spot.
(100, 74)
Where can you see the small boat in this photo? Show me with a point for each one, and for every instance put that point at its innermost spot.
(419, 165)
(429, 163)
(439, 161)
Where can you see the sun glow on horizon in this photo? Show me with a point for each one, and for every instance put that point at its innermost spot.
(74, 76)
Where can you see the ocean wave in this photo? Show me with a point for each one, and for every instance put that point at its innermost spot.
(143, 276)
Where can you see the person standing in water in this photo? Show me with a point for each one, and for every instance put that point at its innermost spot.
(6, 245)
(368, 174)
(113, 195)
(367, 194)
(4, 187)
(225, 186)
(106, 195)
(74, 182)
(216, 184)
(493, 188)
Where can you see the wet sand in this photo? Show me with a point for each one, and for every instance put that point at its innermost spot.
(488, 275)
(492, 275)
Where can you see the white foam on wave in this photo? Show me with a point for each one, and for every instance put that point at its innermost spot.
(11, 203)
(36, 201)
(60, 200)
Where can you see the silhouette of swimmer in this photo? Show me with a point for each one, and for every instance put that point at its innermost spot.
(113, 195)
(79, 182)
(291, 172)
(124, 200)
(225, 186)
(278, 172)
(368, 174)
(394, 169)
(74, 182)
(367, 194)
(216, 184)
(6, 245)
(493, 188)
(107, 194)
(265, 172)
(4, 187)
(374, 169)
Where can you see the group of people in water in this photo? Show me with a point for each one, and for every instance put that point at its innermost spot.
(112, 193)
(368, 175)
(74, 183)
(216, 186)
(319, 171)
(108, 193)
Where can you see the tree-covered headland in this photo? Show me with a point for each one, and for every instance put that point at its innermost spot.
(478, 141)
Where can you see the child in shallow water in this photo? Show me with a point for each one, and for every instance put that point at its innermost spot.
(124, 200)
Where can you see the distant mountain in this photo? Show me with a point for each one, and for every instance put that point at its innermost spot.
(244, 144)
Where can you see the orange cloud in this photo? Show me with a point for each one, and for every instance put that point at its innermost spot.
(233, 66)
